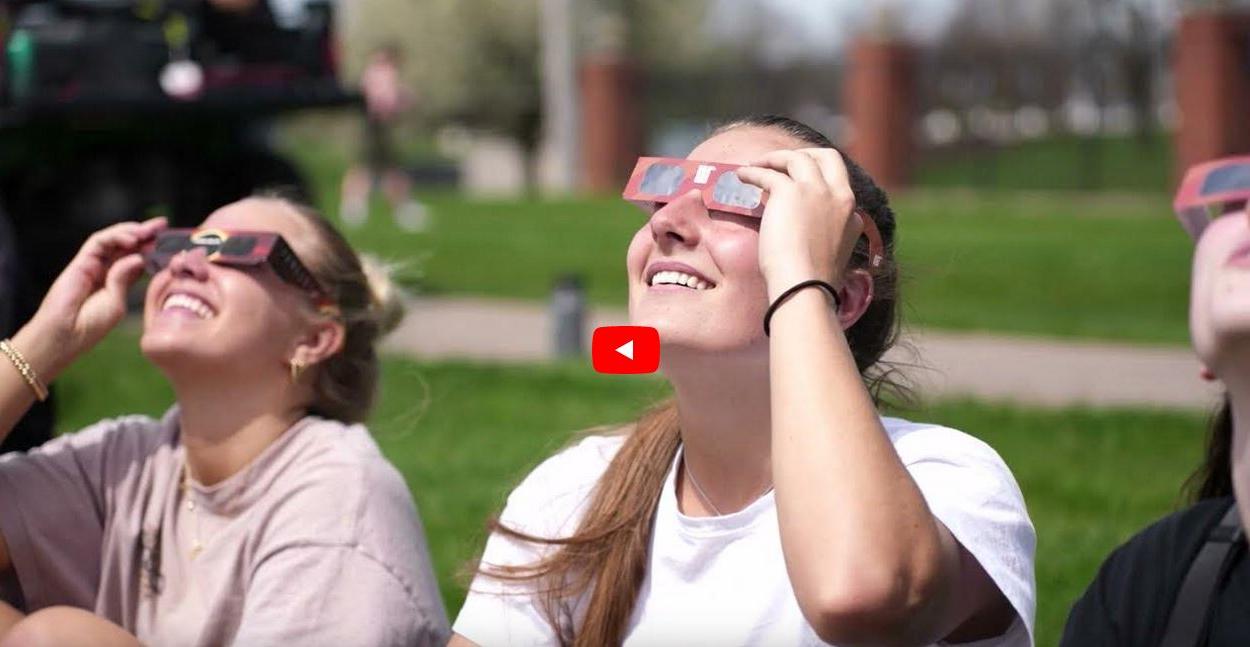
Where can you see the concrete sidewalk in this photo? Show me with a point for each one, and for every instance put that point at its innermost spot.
(990, 367)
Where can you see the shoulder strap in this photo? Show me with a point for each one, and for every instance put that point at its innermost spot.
(1193, 601)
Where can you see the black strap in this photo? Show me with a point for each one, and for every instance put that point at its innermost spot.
(1193, 602)
(833, 292)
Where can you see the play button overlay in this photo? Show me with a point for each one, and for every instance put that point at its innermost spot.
(625, 350)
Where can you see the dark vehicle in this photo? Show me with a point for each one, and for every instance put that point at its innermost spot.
(116, 110)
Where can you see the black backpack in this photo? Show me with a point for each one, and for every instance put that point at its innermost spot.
(1188, 621)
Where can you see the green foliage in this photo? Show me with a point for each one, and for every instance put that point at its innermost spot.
(668, 36)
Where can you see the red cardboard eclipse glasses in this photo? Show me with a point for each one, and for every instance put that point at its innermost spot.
(237, 248)
(1210, 190)
(661, 179)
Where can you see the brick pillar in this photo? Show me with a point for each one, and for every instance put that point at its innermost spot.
(1212, 80)
(878, 96)
(611, 122)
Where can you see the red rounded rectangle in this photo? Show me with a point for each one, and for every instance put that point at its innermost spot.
(625, 350)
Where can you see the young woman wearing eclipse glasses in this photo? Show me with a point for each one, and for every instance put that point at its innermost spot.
(768, 503)
(257, 511)
(1185, 580)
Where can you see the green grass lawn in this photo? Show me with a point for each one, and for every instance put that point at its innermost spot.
(464, 434)
(1058, 163)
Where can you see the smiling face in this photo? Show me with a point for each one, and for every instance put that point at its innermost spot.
(204, 318)
(694, 275)
(1219, 308)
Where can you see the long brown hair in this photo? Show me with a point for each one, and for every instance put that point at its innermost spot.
(606, 558)
(1214, 478)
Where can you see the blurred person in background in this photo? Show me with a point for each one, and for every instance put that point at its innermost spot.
(769, 503)
(1185, 580)
(257, 510)
(386, 99)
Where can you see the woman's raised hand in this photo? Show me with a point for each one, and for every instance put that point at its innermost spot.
(89, 297)
(807, 230)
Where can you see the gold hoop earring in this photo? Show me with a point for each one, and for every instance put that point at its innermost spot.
(297, 368)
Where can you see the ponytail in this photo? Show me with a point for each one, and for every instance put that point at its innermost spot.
(606, 558)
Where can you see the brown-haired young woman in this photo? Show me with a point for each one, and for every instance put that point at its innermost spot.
(768, 503)
(256, 511)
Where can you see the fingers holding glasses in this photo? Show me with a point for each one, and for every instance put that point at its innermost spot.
(89, 296)
(806, 230)
(106, 246)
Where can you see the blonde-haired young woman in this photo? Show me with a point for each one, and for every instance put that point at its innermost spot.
(257, 511)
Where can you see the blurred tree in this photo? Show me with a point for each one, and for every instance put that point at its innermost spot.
(475, 62)
(471, 61)
(1004, 55)
(666, 35)
(1139, 45)
(743, 57)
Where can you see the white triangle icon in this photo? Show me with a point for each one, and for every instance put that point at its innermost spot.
(626, 349)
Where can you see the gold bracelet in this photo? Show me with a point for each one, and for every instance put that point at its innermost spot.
(23, 367)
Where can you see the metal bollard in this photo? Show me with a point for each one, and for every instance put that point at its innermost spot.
(568, 315)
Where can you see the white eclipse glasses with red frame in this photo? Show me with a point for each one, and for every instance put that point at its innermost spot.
(663, 179)
(1212, 189)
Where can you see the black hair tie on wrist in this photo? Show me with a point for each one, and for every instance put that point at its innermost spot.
(833, 292)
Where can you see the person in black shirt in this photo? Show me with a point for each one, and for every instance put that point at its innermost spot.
(1131, 599)
(1185, 580)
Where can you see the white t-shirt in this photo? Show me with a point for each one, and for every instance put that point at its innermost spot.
(722, 580)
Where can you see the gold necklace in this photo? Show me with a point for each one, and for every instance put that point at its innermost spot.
(197, 546)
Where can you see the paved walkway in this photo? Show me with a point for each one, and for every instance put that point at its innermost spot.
(990, 367)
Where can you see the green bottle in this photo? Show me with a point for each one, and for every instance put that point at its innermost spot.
(21, 55)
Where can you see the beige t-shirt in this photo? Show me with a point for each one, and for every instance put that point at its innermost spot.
(317, 542)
